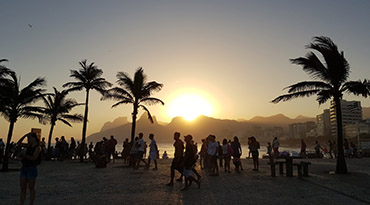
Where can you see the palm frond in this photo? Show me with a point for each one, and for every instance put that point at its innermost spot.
(291, 96)
(127, 101)
(308, 85)
(150, 118)
(356, 88)
(151, 101)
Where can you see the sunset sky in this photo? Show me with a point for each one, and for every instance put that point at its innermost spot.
(233, 55)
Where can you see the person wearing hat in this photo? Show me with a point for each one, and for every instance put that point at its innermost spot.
(29, 165)
(189, 161)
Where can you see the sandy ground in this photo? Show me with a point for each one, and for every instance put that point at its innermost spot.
(71, 182)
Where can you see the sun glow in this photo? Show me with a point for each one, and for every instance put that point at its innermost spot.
(190, 106)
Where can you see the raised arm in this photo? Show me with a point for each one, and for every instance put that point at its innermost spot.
(20, 141)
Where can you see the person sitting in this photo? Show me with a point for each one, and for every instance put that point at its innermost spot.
(165, 156)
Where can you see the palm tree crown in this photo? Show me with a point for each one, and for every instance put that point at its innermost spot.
(330, 82)
(136, 91)
(57, 108)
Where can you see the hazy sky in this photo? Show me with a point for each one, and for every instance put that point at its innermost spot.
(234, 53)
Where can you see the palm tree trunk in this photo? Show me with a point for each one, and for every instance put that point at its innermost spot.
(7, 149)
(84, 127)
(341, 162)
(134, 115)
(50, 135)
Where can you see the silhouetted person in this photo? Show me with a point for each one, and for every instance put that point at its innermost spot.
(226, 151)
(153, 152)
(29, 165)
(346, 147)
(269, 152)
(237, 152)
(275, 146)
(111, 147)
(254, 146)
(303, 148)
(189, 162)
(212, 152)
(140, 151)
(331, 149)
(126, 151)
(72, 148)
(177, 162)
(164, 156)
(203, 154)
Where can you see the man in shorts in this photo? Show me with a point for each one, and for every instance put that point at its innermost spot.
(140, 151)
(177, 162)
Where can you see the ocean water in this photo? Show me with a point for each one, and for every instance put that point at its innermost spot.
(168, 147)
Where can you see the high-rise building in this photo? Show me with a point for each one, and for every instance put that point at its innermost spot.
(300, 130)
(323, 123)
(351, 114)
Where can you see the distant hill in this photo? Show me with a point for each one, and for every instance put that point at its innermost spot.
(366, 112)
(279, 120)
(116, 123)
(199, 128)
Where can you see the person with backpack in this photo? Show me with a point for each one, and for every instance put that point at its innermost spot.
(30, 159)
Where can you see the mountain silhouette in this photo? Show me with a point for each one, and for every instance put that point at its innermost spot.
(199, 128)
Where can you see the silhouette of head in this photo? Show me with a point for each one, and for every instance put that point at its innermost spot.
(176, 136)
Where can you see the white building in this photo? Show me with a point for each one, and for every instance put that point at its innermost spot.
(351, 114)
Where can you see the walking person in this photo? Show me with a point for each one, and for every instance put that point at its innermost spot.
(189, 162)
(2, 146)
(153, 152)
(331, 149)
(112, 148)
(269, 152)
(30, 160)
(317, 150)
(177, 162)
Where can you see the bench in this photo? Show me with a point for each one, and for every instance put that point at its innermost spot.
(303, 165)
(281, 167)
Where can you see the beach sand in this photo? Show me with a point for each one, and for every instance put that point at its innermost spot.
(71, 182)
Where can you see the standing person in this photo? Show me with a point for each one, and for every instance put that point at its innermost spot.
(226, 151)
(220, 153)
(112, 147)
(237, 152)
(269, 152)
(317, 149)
(254, 146)
(140, 151)
(72, 148)
(126, 151)
(275, 146)
(2, 146)
(153, 152)
(346, 148)
(189, 162)
(203, 154)
(177, 162)
(91, 152)
(331, 148)
(30, 159)
(212, 152)
(303, 149)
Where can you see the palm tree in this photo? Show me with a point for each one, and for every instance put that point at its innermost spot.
(330, 82)
(136, 92)
(57, 108)
(16, 103)
(88, 77)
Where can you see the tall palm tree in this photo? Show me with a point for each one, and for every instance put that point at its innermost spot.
(16, 103)
(88, 77)
(330, 82)
(135, 91)
(57, 108)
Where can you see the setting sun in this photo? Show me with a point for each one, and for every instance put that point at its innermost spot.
(190, 106)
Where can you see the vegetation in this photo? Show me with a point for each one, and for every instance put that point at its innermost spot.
(330, 82)
(57, 108)
(88, 77)
(135, 91)
(17, 103)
